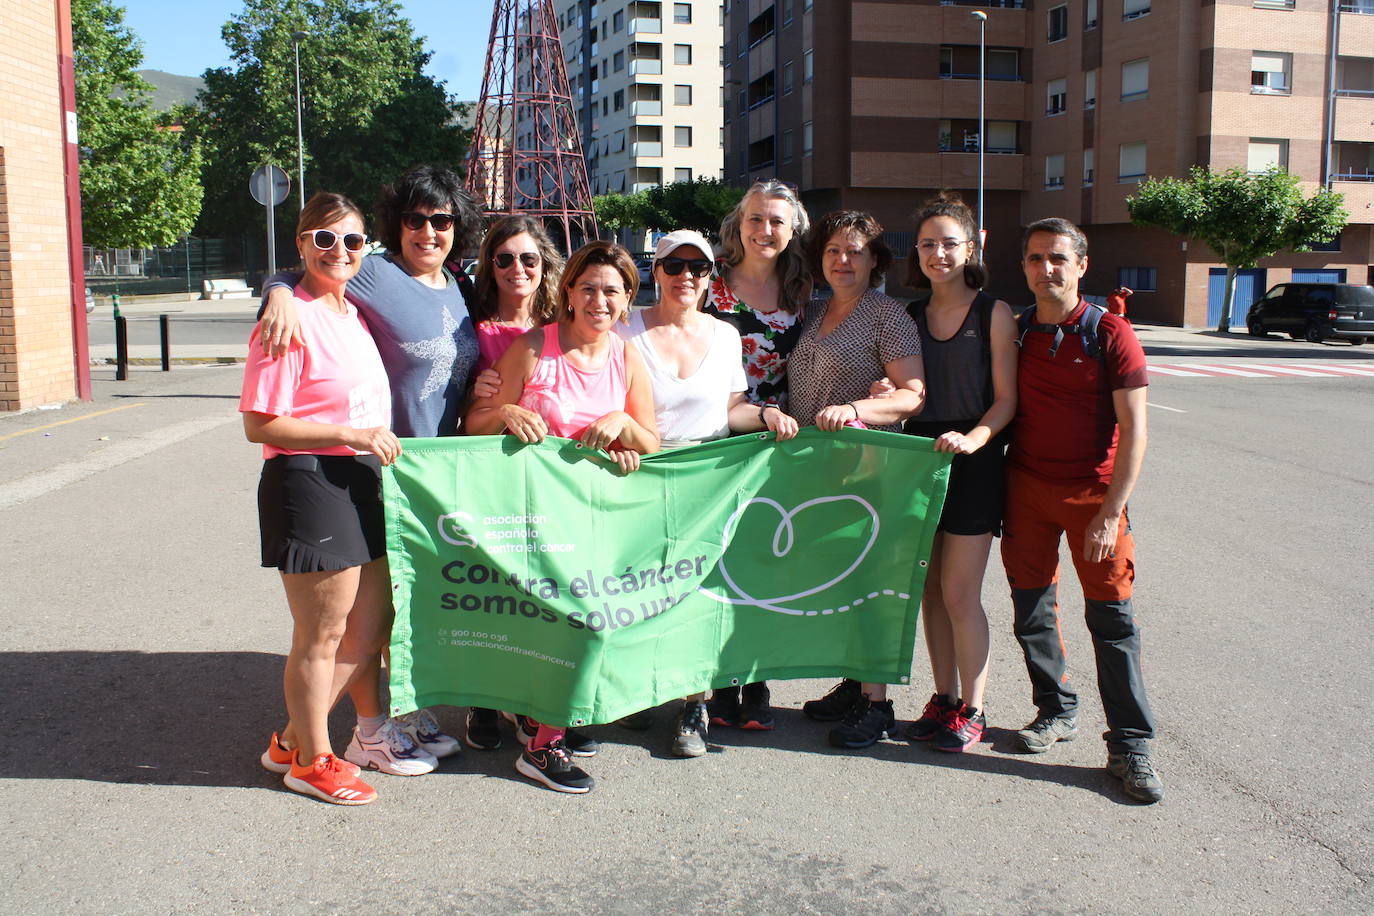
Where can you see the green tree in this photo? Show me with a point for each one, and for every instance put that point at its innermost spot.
(698, 204)
(369, 111)
(140, 175)
(1242, 216)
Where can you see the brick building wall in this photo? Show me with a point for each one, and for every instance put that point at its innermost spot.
(36, 363)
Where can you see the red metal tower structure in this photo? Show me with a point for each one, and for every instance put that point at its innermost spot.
(526, 152)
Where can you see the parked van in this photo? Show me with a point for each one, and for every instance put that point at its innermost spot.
(1315, 312)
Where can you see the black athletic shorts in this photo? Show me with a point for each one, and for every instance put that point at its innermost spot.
(977, 482)
(320, 512)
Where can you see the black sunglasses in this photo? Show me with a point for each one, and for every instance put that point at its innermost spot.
(326, 239)
(505, 259)
(699, 267)
(414, 219)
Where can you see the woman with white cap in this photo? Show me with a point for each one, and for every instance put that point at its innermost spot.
(696, 365)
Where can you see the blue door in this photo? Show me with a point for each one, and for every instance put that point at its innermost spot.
(1249, 287)
(1319, 276)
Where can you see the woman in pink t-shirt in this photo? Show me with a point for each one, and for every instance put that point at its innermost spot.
(323, 415)
(576, 379)
(517, 285)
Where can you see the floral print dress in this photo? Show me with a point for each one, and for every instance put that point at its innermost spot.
(767, 339)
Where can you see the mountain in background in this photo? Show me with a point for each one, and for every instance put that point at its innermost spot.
(170, 89)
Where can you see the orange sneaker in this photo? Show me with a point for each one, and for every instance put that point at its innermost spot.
(276, 759)
(330, 779)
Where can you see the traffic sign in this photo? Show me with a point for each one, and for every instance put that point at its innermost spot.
(269, 178)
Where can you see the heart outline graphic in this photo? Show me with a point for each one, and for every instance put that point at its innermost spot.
(785, 531)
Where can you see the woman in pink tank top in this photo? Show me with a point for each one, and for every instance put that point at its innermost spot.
(575, 379)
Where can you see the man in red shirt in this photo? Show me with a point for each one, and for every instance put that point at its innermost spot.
(1116, 300)
(1077, 447)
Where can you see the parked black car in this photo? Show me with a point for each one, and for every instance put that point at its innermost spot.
(1315, 311)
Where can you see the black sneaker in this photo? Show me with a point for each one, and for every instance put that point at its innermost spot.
(833, 706)
(1137, 775)
(580, 744)
(690, 740)
(724, 707)
(933, 717)
(553, 766)
(525, 729)
(755, 711)
(864, 724)
(483, 731)
(962, 730)
(640, 721)
(1037, 737)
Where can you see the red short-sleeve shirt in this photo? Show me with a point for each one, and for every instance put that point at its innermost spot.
(1065, 426)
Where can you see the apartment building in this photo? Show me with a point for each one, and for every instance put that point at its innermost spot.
(874, 105)
(646, 83)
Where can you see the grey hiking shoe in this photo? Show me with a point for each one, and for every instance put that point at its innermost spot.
(1037, 737)
(1137, 775)
(690, 739)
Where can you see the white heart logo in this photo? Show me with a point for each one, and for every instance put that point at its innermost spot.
(783, 539)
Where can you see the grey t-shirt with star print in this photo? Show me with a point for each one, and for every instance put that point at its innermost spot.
(426, 338)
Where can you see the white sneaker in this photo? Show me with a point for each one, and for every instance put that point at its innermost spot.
(391, 751)
(422, 728)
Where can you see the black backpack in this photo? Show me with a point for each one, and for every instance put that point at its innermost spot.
(1087, 329)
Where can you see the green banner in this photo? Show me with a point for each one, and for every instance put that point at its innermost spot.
(538, 579)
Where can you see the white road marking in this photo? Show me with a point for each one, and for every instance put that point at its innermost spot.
(35, 485)
(1170, 370)
(1162, 407)
(1225, 370)
(1285, 370)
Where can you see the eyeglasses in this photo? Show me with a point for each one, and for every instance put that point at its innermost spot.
(415, 220)
(928, 247)
(326, 239)
(698, 267)
(529, 259)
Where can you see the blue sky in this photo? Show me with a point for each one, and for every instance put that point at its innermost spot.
(183, 36)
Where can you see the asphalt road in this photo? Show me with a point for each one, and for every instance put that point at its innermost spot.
(141, 657)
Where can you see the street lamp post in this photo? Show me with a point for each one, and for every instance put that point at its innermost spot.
(296, 39)
(982, 18)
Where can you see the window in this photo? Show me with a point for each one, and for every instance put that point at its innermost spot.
(1140, 279)
(787, 146)
(1135, 79)
(807, 64)
(787, 78)
(1058, 23)
(619, 141)
(1274, 4)
(1090, 89)
(618, 61)
(1004, 64)
(605, 106)
(1056, 96)
(786, 12)
(682, 175)
(806, 5)
(1090, 15)
(1054, 171)
(1262, 155)
(682, 13)
(1132, 165)
(682, 95)
(1269, 73)
(806, 134)
(619, 99)
(618, 21)
(682, 136)
(682, 54)
(1002, 137)
(1134, 9)
(1088, 168)
(761, 27)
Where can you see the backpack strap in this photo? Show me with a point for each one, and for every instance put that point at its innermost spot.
(1088, 330)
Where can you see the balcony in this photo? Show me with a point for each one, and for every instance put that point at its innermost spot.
(646, 26)
(1357, 29)
(646, 108)
(645, 65)
(1354, 118)
(645, 150)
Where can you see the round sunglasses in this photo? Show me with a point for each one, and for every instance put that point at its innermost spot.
(698, 267)
(326, 239)
(530, 259)
(414, 220)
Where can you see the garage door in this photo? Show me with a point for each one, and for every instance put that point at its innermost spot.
(1319, 276)
(1249, 287)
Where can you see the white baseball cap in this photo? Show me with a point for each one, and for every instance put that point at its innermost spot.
(680, 237)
